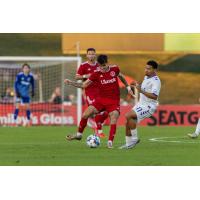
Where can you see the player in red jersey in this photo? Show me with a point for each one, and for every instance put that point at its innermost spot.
(109, 96)
(92, 91)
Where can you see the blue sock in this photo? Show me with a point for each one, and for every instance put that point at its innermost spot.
(28, 114)
(16, 113)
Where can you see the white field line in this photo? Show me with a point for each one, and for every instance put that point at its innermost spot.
(175, 140)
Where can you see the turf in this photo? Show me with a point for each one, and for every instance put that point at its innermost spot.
(46, 146)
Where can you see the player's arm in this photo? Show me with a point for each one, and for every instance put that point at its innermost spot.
(33, 86)
(147, 94)
(17, 81)
(123, 80)
(83, 85)
(82, 77)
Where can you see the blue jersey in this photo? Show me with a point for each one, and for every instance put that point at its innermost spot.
(22, 84)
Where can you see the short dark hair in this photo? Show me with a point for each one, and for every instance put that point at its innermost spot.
(102, 59)
(91, 49)
(26, 64)
(153, 63)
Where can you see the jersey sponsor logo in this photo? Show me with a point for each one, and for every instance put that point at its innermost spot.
(103, 82)
(25, 83)
(112, 73)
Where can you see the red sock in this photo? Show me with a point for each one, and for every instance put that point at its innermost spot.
(112, 132)
(82, 125)
(99, 119)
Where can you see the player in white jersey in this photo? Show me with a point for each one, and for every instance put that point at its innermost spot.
(149, 91)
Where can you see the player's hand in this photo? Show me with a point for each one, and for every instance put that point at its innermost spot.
(86, 76)
(133, 83)
(67, 81)
(138, 86)
(130, 91)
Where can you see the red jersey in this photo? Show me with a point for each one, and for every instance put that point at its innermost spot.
(86, 68)
(107, 82)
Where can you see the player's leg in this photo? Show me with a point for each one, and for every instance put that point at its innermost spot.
(16, 112)
(96, 121)
(131, 130)
(197, 131)
(26, 102)
(28, 114)
(114, 115)
(99, 119)
(91, 110)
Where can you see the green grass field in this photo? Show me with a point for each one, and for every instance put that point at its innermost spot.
(46, 146)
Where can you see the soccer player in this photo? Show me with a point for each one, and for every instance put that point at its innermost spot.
(22, 88)
(109, 96)
(92, 91)
(149, 91)
(197, 131)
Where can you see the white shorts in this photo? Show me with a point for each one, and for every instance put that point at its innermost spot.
(144, 111)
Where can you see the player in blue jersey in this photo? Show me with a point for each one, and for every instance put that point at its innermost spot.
(23, 82)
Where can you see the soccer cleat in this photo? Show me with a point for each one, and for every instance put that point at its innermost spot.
(101, 135)
(73, 137)
(125, 146)
(193, 135)
(110, 144)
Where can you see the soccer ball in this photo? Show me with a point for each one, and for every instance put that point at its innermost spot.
(93, 141)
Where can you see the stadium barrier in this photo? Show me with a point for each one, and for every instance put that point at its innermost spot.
(50, 114)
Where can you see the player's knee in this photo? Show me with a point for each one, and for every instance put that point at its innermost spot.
(85, 115)
(113, 118)
(130, 115)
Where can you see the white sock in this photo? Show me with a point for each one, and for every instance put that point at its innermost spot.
(79, 134)
(198, 127)
(134, 134)
(131, 139)
(100, 131)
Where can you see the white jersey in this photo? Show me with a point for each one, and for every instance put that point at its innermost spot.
(150, 85)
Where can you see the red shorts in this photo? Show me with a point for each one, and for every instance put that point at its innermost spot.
(105, 104)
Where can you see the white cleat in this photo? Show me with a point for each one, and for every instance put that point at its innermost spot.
(110, 144)
(193, 135)
(125, 146)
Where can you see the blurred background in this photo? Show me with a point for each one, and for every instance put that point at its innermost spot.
(177, 53)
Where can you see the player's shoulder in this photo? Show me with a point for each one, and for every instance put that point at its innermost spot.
(114, 68)
(20, 74)
(156, 79)
(84, 64)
